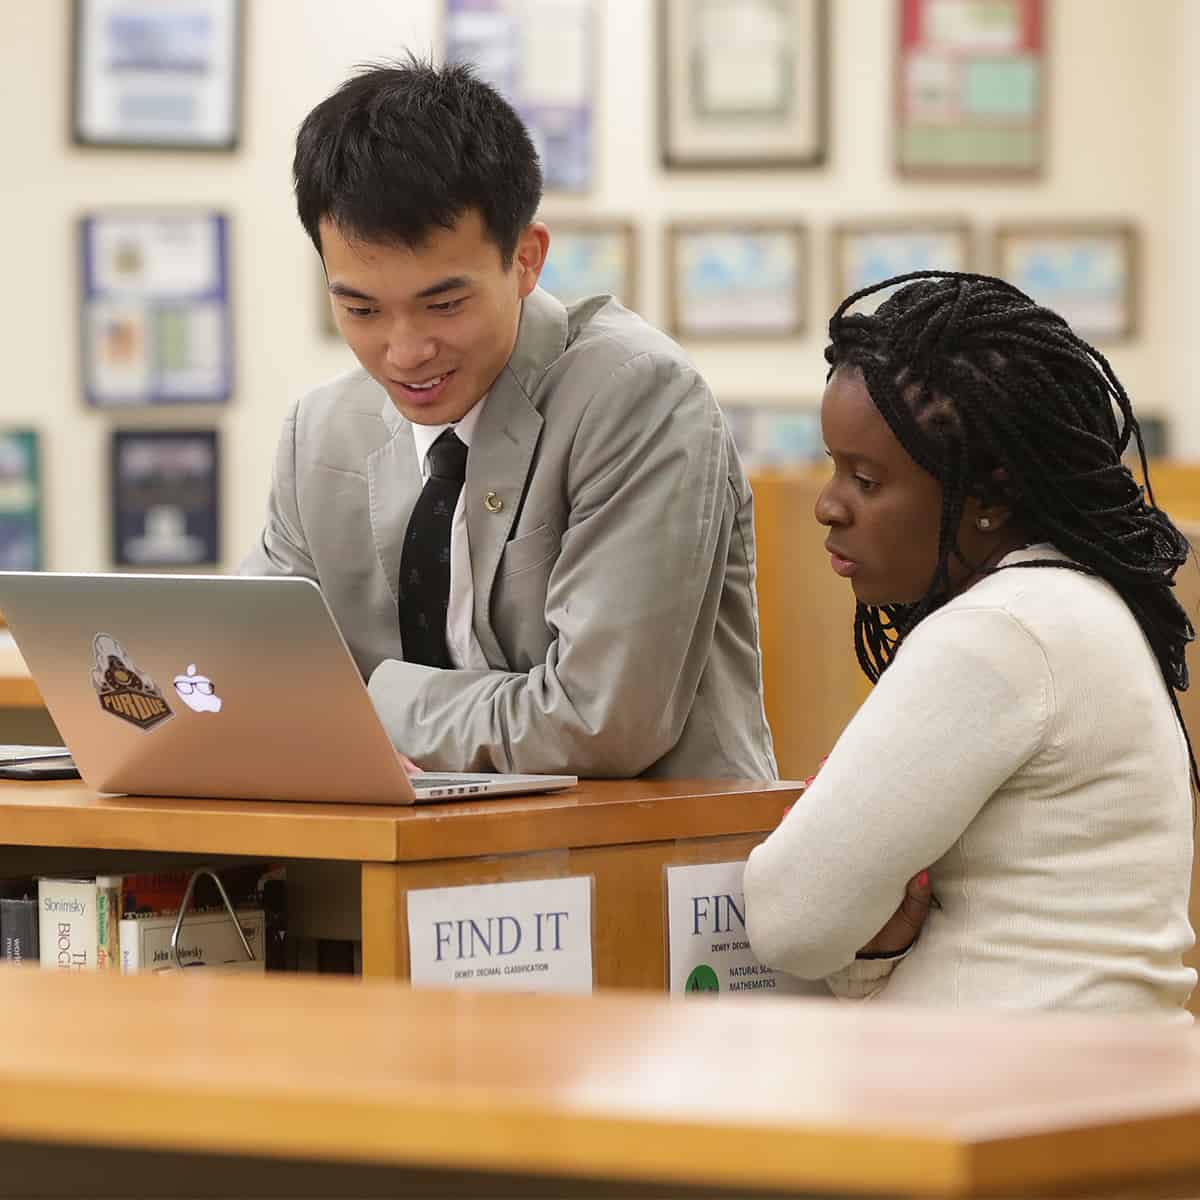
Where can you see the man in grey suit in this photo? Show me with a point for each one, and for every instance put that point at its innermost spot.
(529, 521)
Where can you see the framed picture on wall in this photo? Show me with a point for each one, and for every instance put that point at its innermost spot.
(864, 253)
(156, 325)
(1087, 273)
(737, 280)
(540, 56)
(591, 258)
(970, 85)
(20, 501)
(165, 498)
(775, 435)
(162, 75)
(744, 83)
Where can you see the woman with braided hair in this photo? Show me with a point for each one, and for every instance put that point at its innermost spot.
(1023, 741)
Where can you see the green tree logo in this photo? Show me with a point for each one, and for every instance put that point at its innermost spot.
(702, 979)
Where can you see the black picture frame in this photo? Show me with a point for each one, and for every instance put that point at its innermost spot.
(92, 120)
(165, 513)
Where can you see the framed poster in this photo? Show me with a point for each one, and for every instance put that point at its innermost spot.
(591, 258)
(20, 501)
(161, 75)
(539, 55)
(165, 494)
(745, 280)
(1085, 273)
(156, 325)
(775, 435)
(744, 83)
(970, 84)
(866, 252)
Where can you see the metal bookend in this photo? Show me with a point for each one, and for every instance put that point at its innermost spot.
(183, 907)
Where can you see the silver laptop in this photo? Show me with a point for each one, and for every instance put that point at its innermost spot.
(225, 686)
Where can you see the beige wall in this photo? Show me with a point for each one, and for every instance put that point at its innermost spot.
(1124, 111)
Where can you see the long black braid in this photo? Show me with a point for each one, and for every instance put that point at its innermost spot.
(998, 399)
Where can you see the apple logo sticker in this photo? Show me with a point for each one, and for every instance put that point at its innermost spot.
(196, 691)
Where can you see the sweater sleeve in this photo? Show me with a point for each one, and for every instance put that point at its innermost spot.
(964, 704)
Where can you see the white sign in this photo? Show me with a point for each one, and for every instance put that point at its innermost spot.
(528, 937)
(706, 936)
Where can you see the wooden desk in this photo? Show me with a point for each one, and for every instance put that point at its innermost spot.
(376, 1089)
(621, 833)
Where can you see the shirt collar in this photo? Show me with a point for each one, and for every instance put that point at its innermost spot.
(464, 429)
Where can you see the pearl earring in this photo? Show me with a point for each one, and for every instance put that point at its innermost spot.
(983, 523)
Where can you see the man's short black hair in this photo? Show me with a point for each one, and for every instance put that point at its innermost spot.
(400, 149)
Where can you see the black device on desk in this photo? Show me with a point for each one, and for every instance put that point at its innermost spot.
(36, 762)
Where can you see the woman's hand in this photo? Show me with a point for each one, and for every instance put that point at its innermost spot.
(905, 923)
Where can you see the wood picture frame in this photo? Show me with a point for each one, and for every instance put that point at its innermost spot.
(865, 252)
(590, 257)
(969, 97)
(1086, 271)
(737, 279)
(744, 84)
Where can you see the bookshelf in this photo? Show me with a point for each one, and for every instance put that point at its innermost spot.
(350, 867)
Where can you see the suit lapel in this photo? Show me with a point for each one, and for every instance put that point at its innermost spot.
(502, 450)
(393, 485)
(498, 465)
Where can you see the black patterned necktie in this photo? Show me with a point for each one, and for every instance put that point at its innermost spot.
(424, 589)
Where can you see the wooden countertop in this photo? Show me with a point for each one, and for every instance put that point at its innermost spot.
(17, 689)
(808, 1096)
(596, 813)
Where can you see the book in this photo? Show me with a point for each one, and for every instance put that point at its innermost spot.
(19, 929)
(108, 922)
(67, 924)
(208, 939)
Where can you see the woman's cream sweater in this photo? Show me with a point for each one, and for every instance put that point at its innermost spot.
(1022, 745)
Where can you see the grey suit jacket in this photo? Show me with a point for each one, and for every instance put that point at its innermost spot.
(614, 582)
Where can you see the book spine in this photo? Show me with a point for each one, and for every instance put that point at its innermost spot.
(207, 939)
(108, 922)
(19, 929)
(67, 924)
(131, 946)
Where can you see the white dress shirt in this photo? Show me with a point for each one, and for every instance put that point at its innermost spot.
(464, 648)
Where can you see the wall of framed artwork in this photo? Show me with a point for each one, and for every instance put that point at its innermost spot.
(738, 279)
(165, 76)
(590, 258)
(970, 84)
(1108, 155)
(1086, 272)
(743, 83)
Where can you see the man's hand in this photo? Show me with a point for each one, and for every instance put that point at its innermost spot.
(905, 923)
(407, 763)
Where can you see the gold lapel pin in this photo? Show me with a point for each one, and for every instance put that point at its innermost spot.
(492, 502)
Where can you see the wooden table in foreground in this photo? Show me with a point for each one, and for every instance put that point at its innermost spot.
(622, 833)
(260, 1086)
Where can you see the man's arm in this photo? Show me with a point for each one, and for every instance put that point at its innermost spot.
(632, 600)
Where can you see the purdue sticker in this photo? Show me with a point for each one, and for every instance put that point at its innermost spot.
(123, 690)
